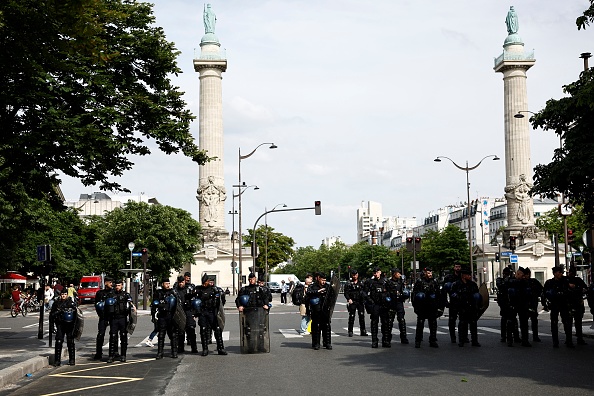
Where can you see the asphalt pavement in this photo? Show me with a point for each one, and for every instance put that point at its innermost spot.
(23, 354)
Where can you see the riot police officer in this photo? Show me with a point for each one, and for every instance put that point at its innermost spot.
(448, 282)
(427, 306)
(251, 297)
(265, 290)
(213, 299)
(577, 289)
(465, 299)
(319, 294)
(120, 308)
(556, 292)
(64, 317)
(398, 293)
(535, 293)
(186, 292)
(162, 311)
(518, 297)
(505, 311)
(377, 306)
(354, 294)
(100, 298)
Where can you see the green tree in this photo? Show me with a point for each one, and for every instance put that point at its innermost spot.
(552, 223)
(85, 85)
(171, 236)
(273, 247)
(588, 16)
(441, 249)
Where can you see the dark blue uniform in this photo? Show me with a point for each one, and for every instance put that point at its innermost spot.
(377, 305)
(63, 315)
(464, 300)
(396, 291)
(556, 296)
(103, 323)
(354, 291)
(118, 324)
(318, 295)
(213, 298)
(427, 305)
(162, 310)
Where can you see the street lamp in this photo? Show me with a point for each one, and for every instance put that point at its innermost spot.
(242, 157)
(131, 246)
(233, 212)
(266, 239)
(467, 169)
(256, 224)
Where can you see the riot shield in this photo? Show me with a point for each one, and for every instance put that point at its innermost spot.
(179, 316)
(253, 327)
(484, 292)
(330, 300)
(132, 319)
(221, 317)
(79, 325)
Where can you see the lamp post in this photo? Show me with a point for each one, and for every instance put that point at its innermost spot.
(266, 239)
(467, 169)
(233, 236)
(131, 246)
(242, 157)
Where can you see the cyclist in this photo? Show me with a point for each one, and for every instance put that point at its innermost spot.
(17, 297)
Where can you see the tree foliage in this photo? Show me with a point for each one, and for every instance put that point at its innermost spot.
(586, 18)
(552, 222)
(171, 236)
(442, 249)
(85, 85)
(571, 170)
(274, 247)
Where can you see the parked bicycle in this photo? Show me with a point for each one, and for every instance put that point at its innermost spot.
(32, 304)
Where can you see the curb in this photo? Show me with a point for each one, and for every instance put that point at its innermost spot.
(12, 375)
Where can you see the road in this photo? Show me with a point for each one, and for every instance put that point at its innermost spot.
(352, 367)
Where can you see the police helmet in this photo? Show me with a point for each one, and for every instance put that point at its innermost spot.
(420, 296)
(110, 301)
(388, 299)
(172, 301)
(244, 300)
(432, 296)
(550, 294)
(68, 316)
(406, 292)
(99, 305)
(196, 304)
(155, 303)
(314, 301)
(478, 299)
(447, 287)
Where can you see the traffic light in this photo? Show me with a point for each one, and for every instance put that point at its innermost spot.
(418, 244)
(409, 243)
(512, 242)
(497, 257)
(318, 207)
(570, 237)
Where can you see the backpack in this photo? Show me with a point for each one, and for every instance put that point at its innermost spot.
(297, 297)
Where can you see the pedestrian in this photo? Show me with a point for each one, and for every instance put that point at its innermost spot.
(355, 296)
(300, 297)
(162, 311)
(427, 306)
(398, 293)
(100, 297)
(64, 317)
(57, 289)
(284, 291)
(448, 282)
(213, 299)
(466, 301)
(186, 292)
(72, 292)
(535, 293)
(376, 305)
(48, 298)
(118, 314)
(320, 295)
(556, 292)
(577, 289)
(249, 300)
(291, 284)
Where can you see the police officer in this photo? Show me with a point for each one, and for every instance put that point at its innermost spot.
(448, 282)
(398, 294)
(64, 317)
(427, 306)
(186, 293)
(251, 297)
(377, 305)
(265, 290)
(213, 298)
(505, 311)
(354, 294)
(162, 311)
(118, 321)
(519, 296)
(465, 299)
(556, 292)
(100, 298)
(535, 293)
(318, 295)
(577, 289)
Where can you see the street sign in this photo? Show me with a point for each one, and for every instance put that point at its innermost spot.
(507, 253)
(136, 254)
(513, 258)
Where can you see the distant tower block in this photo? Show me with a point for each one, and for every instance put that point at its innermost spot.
(211, 192)
(513, 63)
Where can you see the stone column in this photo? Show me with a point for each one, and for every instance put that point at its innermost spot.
(211, 193)
(514, 63)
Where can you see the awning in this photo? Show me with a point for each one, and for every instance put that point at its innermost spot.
(13, 277)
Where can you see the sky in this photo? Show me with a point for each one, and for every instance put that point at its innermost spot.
(359, 97)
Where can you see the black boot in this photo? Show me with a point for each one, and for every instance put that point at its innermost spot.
(351, 324)
(99, 348)
(433, 333)
(124, 342)
(209, 336)
(402, 328)
(58, 353)
(192, 339)
(362, 326)
(174, 344)
(160, 345)
(315, 339)
(218, 333)
(327, 336)
(71, 352)
(204, 340)
(113, 342)
(374, 331)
